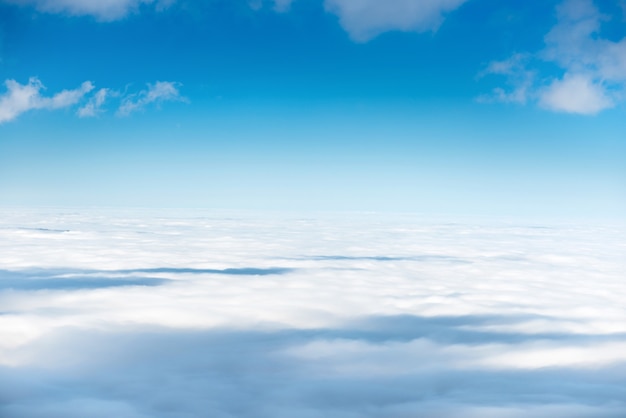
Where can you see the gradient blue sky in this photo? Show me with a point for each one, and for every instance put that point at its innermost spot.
(476, 107)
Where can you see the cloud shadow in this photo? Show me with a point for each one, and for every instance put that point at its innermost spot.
(250, 373)
(72, 279)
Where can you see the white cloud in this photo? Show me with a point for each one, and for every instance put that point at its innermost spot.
(106, 10)
(255, 4)
(514, 69)
(282, 5)
(366, 19)
(159, 92)
(66, 97)
(594, 68)
(576, 94)
(279, 6)
(20, 98)
(379, 316)
(94, 105)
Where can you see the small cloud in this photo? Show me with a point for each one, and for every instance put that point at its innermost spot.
(104, 10)
(282, 6)
(161, 91)
(366, 19)
(94, 105)
(519, 78)
(592, 68)
(576, 94)
(20, 98)
(66, 97)
(509, 66)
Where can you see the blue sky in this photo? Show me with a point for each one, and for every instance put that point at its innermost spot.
(437, 106)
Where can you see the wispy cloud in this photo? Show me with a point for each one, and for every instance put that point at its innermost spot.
(366, 19)
(279, 6)
(593, 68)
(21, 98)
(161, 91)
(105, 10)
(94, 105)
(515, 71)
(282, 5)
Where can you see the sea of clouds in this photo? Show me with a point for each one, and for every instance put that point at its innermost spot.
(135, 314)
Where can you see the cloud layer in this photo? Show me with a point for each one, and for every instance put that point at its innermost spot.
(593, 68)
(193, 313)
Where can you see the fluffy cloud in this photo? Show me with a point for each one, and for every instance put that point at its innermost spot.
(593, 68)
(161, 91)
(105, 10)
(20, 98)
(576, 94)
(186, 314)
(366, 19)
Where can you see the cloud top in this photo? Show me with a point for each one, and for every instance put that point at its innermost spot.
(388, 324)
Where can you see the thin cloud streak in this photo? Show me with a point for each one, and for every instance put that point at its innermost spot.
(159, 92)
(103, 10)
(22, 98)
(94, 106)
